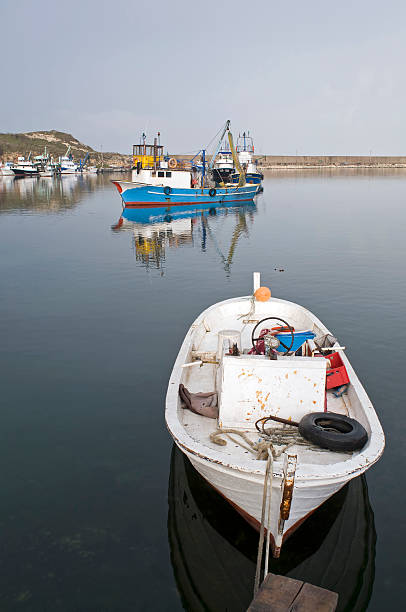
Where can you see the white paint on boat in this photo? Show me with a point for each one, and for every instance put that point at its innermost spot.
(162, 177)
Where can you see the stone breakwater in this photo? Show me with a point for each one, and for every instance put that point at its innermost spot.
(270, 162)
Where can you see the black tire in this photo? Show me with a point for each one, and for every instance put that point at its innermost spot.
(167, 190)
(333, 431)
(212, 192)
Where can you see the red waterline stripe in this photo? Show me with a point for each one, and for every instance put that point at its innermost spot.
(191, 203)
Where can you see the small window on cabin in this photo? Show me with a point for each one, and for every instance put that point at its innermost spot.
(169, 174)
(160, 173)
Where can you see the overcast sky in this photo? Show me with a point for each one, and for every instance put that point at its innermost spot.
(305, 77)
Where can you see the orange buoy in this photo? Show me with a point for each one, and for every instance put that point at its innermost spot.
(262, 294)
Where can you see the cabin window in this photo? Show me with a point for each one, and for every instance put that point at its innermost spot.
(160, 173)
(168, 174)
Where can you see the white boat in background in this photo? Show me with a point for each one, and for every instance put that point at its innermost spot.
(49, 171)
(245, 151)
(279, 467)
(25, 167)
(224, 166)
(6, 169)
(67, 166)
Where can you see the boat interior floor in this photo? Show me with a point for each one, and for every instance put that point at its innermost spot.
(202, 379)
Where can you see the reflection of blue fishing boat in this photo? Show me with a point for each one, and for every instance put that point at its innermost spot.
(158, 214)
(156, 227)
(177, 182)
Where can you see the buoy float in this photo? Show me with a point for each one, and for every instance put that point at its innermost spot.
(262, 294)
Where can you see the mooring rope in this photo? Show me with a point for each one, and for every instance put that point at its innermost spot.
(264, 450)
(265, 497)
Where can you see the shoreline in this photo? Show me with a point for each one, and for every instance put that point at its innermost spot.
(331, 166)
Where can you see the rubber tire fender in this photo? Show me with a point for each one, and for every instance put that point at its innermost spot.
(212, 192)
(167, 190)
(336, 432)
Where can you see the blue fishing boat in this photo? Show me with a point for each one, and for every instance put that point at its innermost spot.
(174, 182)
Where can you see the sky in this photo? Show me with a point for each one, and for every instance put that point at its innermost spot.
(304, 77)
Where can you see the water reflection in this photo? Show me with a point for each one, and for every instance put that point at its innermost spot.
(213, 550)
(156, 228)
(43, 194)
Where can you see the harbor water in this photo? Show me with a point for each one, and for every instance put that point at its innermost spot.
(98, 511)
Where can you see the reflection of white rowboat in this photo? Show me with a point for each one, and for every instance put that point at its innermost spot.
(251, 387)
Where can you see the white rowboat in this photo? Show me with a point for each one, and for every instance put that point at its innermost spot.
(251, 387)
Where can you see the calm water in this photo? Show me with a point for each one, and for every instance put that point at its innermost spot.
(91, 319)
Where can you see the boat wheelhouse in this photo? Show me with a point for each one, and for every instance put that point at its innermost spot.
(224, 164)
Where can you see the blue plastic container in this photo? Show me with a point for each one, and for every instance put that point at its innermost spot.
(300, 338)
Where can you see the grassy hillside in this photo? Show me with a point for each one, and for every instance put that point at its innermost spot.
(56, 143)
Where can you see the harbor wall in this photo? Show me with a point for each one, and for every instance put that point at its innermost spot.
(320, 161)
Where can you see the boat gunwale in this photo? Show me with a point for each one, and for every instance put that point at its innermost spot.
(345, 470)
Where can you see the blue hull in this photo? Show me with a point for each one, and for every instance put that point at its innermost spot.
(168, 213)
(252, 178)
(134, 196)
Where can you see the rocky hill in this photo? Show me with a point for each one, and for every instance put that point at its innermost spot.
(56, 143)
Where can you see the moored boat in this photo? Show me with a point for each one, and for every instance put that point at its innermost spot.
(25, 167)
(156, 179)
(245, 151)
(134, 195)
(49, 170)
(249, 387)
(6, 169)
(66, 164)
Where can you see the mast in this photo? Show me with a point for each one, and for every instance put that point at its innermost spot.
(241, 180)
(226, 127)
(204, 166)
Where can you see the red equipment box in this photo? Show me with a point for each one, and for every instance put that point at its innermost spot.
(337, 375)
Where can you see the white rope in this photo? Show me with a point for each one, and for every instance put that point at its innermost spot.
(264, 449)
(265, 499)
(268, 523)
